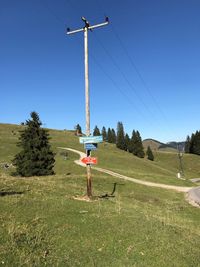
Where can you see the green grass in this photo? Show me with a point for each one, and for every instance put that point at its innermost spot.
(41, 224)
(162, 170)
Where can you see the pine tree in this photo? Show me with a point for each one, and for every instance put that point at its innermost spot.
(104, 133)
(196, 143)
(192, 144)
(120, 142)
(96, 131)
(134, 143)
(149, 154)
(187, 145)
(78, 130)
(109, 136)
(127, 142)
(36, 157)
(138, 149)
(131, 143)
(113, 136)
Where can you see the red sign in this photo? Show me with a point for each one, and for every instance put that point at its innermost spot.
(89, 160)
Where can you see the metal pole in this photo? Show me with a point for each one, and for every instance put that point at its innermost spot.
(87, 95)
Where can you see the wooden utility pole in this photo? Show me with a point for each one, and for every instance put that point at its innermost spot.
(87, 92)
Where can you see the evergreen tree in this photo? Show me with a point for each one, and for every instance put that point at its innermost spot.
(127, 142)
(131, 143)
(104, 133)
(96, 131)
(113, 136)
(138, 149)
(36, 157)
(109, 136)
(78, 129)
(134, 143)
(120, 142)
(187, 145)
(192, 143)
(196, 143)
(149, 153)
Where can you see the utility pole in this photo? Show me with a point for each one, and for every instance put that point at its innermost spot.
(87, 95)
(180, 156)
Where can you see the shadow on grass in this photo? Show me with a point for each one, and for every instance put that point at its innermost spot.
(10, 193)
(107, 196)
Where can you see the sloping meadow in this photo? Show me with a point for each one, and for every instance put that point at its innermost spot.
(45, 221)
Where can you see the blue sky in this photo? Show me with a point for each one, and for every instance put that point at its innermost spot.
(144, 67)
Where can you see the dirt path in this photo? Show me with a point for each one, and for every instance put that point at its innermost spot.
(193, 196)
(171, 187)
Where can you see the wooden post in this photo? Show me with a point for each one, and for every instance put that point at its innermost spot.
(87, 95)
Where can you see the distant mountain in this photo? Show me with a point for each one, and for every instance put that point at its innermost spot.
(156, 145)
(177, 145)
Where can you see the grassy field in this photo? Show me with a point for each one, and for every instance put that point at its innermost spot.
(42, 224)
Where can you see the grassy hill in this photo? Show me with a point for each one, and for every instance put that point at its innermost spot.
(41, 224)
(156, 145)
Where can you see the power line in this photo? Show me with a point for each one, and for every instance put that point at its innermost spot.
(132, 104)
(109, 77)
(146, 87)
(53, 13)
(58, 18)
(137, 71)
(131, 86)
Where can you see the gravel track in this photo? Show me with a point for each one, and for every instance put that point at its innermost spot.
(192, 193)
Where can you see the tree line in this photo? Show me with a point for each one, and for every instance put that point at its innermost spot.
(122, 140)
(192, 144)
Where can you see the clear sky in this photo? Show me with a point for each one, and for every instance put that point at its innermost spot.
(144, 67)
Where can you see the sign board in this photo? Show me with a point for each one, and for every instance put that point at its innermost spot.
(89, 160)
(90, 146)
(91, 139)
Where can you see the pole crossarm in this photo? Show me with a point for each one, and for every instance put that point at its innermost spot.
(75, 31)
(87, 25)
(98, 25)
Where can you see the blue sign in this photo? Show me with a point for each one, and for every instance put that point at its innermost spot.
(91, 139)
(90, 146)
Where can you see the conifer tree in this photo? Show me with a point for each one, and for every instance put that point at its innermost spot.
(187, 145)
(131, 142)
(149, 153)
(113, 136)
(109, 136)
(192, 143)
(96, 131)
(120, 142)
(104, 133)
(196, 143)
(36, 157)
(127, 142)
(78, 129)
(138, 149)
(134, 143)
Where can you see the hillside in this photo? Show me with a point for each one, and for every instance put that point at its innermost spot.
(42, 224)
(163, 169)
(156, 145)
